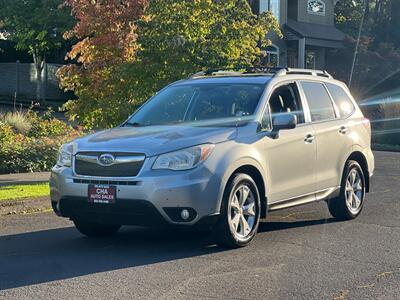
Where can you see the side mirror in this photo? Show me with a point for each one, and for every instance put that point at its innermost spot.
(283, 121)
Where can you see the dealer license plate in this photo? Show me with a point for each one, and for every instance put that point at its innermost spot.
(102, 194)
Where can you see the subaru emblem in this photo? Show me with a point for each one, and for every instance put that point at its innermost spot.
(106, 159)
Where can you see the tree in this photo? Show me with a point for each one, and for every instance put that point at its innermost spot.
(377, 52)
(374, 64)
(179, 38)
(35, 26)
(170, 40)
(107, 40)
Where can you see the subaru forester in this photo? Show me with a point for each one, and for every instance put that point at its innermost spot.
(221, 149)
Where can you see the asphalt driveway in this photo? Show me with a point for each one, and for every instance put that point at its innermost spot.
(300, 253)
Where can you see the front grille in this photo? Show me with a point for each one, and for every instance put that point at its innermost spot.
(106, 182)
(128, 164)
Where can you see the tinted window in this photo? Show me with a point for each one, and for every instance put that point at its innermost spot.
(285, 99)
(171, 110)
(224, 101)
(199, 102)
(341, 99)
(318, 99)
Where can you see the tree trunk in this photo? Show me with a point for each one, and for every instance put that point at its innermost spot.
(39, 62)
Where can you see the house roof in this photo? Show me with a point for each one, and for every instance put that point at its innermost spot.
(315, 31)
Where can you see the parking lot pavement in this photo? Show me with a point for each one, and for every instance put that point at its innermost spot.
(300, 253)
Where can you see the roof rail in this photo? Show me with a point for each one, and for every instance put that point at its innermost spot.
(292, 71)
(235, 71)
(278, 71)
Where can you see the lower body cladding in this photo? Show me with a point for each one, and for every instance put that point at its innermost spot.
(166, 199)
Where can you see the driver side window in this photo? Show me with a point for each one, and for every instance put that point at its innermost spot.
(286, 99)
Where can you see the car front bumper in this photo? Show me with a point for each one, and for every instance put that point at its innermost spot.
(154, 197)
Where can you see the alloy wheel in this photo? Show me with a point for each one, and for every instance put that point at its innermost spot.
(354, 191)
(242, 212)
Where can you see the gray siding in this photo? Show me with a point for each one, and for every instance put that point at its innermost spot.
(297, 10)
(304, 16)
(293, 9)
(284, 11)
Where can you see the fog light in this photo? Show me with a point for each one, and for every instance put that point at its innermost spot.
(180, 214)
(185, 214)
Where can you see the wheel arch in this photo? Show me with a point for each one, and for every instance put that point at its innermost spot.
(359, 157)
(254, 172)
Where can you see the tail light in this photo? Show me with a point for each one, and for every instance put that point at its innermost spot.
(367, 125)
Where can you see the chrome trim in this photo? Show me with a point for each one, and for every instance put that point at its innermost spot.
(79, 176)
(305, 199)
(118, 159)
(107, 182)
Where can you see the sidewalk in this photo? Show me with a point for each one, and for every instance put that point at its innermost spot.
(24, 178)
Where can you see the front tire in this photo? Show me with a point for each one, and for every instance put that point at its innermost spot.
(350, 202)
(92, 229)
(240, 212)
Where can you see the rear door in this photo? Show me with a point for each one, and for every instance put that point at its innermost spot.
(331, 134)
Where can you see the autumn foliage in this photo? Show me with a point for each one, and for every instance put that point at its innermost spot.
(126, 50)
(106, 31)
(106, 39)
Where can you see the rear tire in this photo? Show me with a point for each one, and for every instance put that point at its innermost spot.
(240, 212)
(350, 202)
(92, 229)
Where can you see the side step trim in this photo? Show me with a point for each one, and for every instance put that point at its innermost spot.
(305, 199)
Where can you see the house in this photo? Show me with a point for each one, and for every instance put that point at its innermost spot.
(308, 32)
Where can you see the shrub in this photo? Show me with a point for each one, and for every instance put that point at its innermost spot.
(47, 126)
(35, 150)
(18, 120)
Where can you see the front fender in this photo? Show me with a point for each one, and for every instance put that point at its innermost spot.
(232, 159)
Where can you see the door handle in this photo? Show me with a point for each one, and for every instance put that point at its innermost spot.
(343, 130)
(309, 138)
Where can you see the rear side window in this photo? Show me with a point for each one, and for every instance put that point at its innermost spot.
(342, 100)
(319, 101)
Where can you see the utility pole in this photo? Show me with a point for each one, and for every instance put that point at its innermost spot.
(365, 2)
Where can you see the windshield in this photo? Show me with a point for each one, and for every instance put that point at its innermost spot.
(199, 102)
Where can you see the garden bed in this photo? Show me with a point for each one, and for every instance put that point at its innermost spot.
(30, 143)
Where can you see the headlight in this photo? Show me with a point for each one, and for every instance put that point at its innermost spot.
(65, 156)
(184, 159)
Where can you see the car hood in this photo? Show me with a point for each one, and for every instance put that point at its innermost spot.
(152, 140)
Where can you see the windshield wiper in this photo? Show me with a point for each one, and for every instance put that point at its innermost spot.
(133, 124)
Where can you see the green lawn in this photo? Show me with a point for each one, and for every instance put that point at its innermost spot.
(14, 192)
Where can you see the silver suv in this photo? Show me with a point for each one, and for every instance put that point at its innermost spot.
(220, 149)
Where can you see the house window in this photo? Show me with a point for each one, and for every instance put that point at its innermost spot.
(310, 59)
(272, 6)
(316, 7)
(272, 56)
